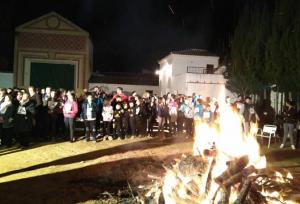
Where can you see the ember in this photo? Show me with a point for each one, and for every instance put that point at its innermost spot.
(226, 168)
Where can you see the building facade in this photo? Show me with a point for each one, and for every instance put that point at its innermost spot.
(192, 71)
(138, 82)
(51, 50)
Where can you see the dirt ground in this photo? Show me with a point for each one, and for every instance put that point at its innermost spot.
(64, 172)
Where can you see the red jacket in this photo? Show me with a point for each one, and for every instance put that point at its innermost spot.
(122, 95)
(70, 109)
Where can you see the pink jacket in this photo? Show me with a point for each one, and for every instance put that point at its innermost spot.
(70, 109)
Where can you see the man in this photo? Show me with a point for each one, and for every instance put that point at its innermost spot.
(120, 94)
(44, 111)
(36, 99)
(290, 119)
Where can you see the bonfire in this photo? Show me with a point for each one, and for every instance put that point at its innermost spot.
(226, 167)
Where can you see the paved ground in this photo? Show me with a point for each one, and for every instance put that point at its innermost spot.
(66, 172)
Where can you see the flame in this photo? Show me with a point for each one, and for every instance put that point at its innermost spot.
(228, 142)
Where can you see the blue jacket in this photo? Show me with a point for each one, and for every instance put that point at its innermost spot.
(198, 111)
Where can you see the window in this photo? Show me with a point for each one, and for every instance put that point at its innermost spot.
(209, 68)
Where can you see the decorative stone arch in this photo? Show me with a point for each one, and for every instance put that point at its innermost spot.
(52, 39)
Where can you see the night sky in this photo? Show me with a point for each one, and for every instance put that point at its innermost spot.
(130, 35)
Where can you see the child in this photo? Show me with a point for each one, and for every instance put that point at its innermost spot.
(151, 116)
(70, 110)
(118, 115)
(89, 110)
(132, 114)
(107, 114)
(125, 120)
(141, 118)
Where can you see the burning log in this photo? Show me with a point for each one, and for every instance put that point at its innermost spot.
(237, 178)
(209, 176)
(234, 167)
(244, 192)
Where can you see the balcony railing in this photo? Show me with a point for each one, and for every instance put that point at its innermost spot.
(200, 70)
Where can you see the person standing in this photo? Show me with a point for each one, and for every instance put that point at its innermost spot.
(6, 116)
(89, 111)
(173, 113)
(24, 120)
(2, 96)
(118, 115)
(38, 119)
(289, 121)
(250, 115)
(132, 115)
(53, 111)
(125, 120)
(107, 114)
(70, 110)
(161, 114)
(140, 118)
(152, 110)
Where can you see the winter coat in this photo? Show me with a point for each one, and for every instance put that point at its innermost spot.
(290, 115)
(89, 108)
(162, 111)
(107, 113)
(24, 117)
(8, 116)
(70, 109)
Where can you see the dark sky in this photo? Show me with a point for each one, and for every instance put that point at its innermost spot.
(129, 35)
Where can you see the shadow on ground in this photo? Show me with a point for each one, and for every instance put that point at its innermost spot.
(83, 184)
(141, 145)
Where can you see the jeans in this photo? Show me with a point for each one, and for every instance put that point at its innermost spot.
(90, 129)
(70, 126)
(288, 129)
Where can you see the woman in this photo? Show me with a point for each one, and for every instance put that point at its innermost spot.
(24, 120)
(70, 110)
(6, 116)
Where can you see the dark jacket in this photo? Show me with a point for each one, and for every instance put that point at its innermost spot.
(24, 121)
(85, 106)
(290, 115)
(162, 111)
(152, 112)
(8, 117)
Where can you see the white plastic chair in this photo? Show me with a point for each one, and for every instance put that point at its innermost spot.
(268, 131)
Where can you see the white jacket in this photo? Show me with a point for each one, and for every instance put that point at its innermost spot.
(107, 113)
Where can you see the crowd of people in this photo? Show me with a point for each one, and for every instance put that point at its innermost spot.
(48, 114)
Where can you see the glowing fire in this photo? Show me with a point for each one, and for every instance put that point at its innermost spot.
(219, 144)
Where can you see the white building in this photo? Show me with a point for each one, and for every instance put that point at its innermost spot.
(191, 71)
(139, 82)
